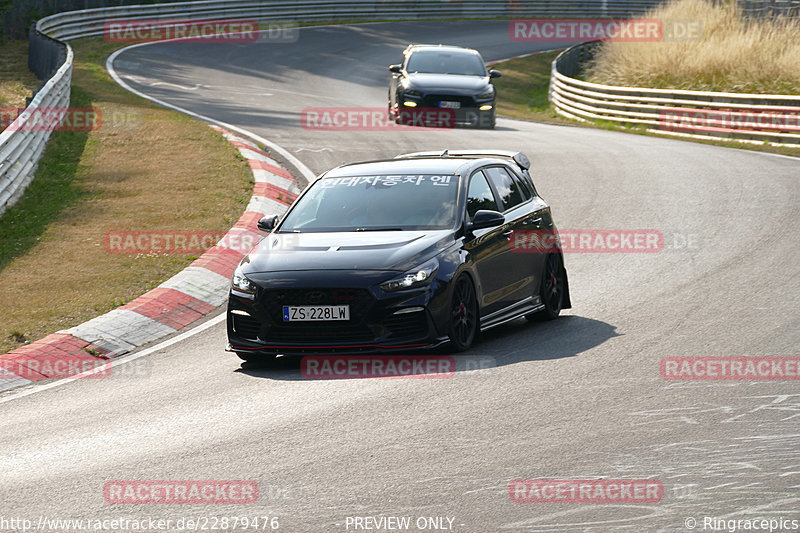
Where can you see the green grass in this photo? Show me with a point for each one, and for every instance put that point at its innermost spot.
(523, 88)
(16, 81)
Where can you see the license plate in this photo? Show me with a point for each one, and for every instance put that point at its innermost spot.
(315, 313)
(450, 105)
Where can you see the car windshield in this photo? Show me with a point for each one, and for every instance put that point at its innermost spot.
(442, 62)
(376, 203)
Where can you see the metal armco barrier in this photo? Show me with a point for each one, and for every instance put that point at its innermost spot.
(756, 118)
(770, 8)
(90, 22)
(23, 141)
(45, 54)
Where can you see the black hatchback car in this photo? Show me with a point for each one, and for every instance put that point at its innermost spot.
(400, 254)
(446, 78)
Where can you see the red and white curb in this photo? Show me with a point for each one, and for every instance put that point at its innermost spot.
(175, 304)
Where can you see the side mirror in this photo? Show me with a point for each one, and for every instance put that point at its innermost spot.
(494, 73)
(267, 223)
(486, 218)
(397, 69)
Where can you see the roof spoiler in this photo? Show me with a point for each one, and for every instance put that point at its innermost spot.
(518, 157)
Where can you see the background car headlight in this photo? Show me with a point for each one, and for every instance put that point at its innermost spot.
(414, 278)
(488, 94)
(240, 282)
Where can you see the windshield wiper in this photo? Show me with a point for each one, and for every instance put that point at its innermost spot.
(379, 229)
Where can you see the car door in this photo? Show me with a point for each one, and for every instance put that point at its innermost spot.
(489, 248)
(537, 226)
(522, 218)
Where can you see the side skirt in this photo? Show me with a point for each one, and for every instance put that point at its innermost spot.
(512, 312)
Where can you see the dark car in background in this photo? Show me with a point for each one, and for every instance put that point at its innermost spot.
(443, 77)
(400, 254)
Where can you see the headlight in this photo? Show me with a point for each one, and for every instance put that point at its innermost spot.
(488, 94)
(240, 282)
(412, 279)
(413, 94)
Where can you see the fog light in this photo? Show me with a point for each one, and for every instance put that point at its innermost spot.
(409, 103)
(486, 107)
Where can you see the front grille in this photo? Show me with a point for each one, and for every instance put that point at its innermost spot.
(246, 326)
(318, 334)
(352, 331)
(407, 326)
(432, 100)
(359, 300)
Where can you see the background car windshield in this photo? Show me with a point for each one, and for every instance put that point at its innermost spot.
(374, 203)
(440, 62)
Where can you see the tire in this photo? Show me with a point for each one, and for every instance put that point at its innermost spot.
(463, 328)
(552, 289)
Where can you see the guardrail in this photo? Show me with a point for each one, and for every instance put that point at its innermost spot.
(770, 8)
(90, 22)
(755, 118)
(24, 140)
(21, 149)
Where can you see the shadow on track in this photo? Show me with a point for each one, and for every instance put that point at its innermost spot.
(512, 343)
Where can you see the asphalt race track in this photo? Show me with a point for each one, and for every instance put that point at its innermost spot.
(581, 397)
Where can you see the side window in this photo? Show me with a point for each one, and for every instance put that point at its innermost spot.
(506, 187)
(525, 187)
(480, 195)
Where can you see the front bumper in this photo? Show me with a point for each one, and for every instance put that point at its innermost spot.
(379, 321)
(429, 110)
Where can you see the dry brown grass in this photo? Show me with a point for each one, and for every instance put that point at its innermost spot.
(157, 170)
(734, 54)
(16, 81)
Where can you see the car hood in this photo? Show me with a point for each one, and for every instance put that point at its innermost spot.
(427, 82)
(367, 250)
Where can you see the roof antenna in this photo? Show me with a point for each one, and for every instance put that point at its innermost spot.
(445, 154)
